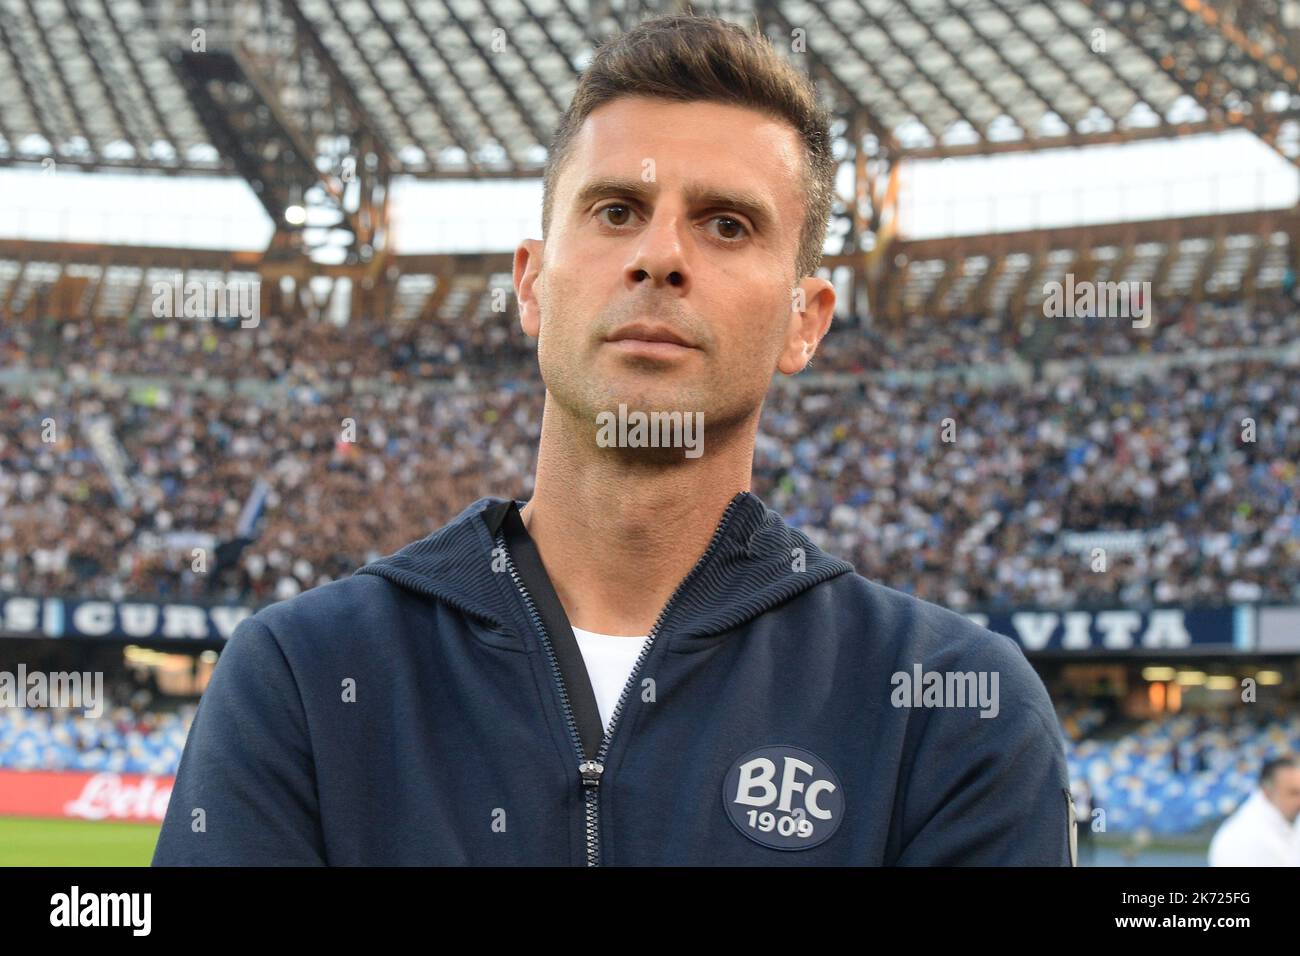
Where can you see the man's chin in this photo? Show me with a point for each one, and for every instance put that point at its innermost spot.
(656, 392)
(674, 402)
(650, 428)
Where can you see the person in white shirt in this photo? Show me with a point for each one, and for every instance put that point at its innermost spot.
(1262, 831)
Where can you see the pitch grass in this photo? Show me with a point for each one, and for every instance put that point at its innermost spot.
(25, 841)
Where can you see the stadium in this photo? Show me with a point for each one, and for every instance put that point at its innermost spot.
(257, 330)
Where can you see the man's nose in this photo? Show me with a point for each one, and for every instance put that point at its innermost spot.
(660, 255)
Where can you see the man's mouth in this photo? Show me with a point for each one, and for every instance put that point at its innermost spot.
(649, 339)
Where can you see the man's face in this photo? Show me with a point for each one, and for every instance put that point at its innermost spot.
(1284, 792)
(676, 220)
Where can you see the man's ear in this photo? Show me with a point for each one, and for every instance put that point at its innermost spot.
(527, 269)
(812, 306)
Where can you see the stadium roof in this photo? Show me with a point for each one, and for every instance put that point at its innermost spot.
(457, 88)
(288, 93)
(1195, 258)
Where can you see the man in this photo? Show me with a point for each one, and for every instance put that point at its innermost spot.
(1262, 831)
(643, 664)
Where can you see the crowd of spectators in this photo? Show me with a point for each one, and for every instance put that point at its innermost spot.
(490, 345)
(961, 492)
(1175, 773)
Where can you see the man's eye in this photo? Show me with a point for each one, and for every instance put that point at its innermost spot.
(619, 214)
(626, 209)
(733, 224)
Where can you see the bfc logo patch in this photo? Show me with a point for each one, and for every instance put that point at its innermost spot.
(783, 797)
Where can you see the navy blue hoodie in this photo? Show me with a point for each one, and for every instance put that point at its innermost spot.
(784, 711)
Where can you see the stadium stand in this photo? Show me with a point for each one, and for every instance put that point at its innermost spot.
(858, 463)
(121, 741)
(1178, 773)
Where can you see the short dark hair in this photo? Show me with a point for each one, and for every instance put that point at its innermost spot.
(1271, 767)
(687, 58)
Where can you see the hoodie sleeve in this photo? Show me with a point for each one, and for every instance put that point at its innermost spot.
(991, 791)
(245, 792)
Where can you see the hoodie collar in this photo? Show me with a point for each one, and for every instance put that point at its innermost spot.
(753, 563)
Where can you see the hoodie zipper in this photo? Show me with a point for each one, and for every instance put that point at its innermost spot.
(590, 771)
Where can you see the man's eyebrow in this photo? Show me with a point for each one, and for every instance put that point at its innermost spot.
(758, 210)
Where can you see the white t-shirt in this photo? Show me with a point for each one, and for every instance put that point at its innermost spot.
(1256, 835)
(609, 659)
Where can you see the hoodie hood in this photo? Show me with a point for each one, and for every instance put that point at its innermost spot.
(753, 563)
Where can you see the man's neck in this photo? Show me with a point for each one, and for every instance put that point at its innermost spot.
(617, 535)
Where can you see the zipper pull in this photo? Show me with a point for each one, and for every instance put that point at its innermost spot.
(591, 771)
